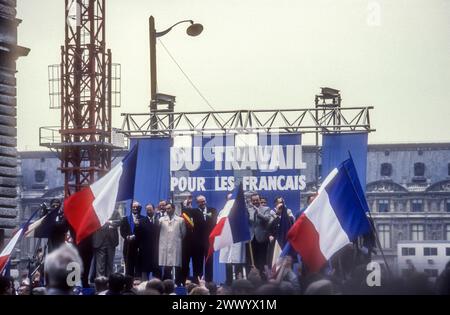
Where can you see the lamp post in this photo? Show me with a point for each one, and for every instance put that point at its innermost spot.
(194, 29)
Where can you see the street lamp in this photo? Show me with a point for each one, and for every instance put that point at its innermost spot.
(194, 29)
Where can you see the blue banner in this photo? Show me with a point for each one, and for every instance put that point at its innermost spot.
(152, 181)
(336, 149)
(291, 197)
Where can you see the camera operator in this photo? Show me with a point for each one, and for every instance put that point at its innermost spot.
(58, 228)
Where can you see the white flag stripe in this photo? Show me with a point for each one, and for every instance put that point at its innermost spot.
(225, 238)
(226, 209)
(12, 243)
(276, 253)
(32, 227)
(105, 192)
(322, 216)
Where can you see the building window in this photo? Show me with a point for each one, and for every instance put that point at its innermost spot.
(400, 206)
(417, 205)
(383, 205)
(448, 169)
(431, 272)
(434, 236)
(417, 232)
(419, 169)
(408, 251)
(447, 205)
(447, 232)
(384, 234)
(447, 251)
(386, 169)
(39, 176)
(430, 251)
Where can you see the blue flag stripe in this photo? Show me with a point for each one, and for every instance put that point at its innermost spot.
(126, 183)
(345, 201)
(238, 218)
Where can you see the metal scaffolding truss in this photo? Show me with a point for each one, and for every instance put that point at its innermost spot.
(83, 84)
(323, 120)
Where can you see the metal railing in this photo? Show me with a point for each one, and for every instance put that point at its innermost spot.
(351, 119)
(50, 137)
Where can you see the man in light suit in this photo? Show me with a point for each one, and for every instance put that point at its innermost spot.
(172, 231)
(259, 219)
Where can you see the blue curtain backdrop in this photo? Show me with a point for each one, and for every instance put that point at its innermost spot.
(152, 181)
(291, 198)
(336, 148)
(215, 199)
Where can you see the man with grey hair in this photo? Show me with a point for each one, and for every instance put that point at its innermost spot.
(63, 269)
(199, 221)
(259, 219)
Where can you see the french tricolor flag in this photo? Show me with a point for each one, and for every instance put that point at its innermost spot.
(7, 251)
(334, 219)
(232, 224)
(90, 208)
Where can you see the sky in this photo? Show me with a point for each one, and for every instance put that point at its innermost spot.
(262, 54)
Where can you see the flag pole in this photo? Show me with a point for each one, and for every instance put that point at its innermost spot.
(372, 225)
(252, 260)
(233, 271)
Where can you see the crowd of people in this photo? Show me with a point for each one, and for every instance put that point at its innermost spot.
(168, 244)
(285, 282)
(161, 247)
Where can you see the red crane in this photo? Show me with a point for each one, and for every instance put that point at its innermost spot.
(84, 86)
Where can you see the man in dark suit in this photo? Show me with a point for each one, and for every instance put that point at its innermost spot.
(59, 228)
(201, 222)
(161, 209)
(130, 245)
(104, 242)
(147, 236)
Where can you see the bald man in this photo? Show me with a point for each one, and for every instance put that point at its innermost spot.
(130, 245)
(196, 242)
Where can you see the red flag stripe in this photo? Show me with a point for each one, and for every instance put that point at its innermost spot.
(3, 261)
(80, 213)
(215, 232)
(305, 240)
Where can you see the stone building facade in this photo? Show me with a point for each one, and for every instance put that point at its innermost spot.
(408, 191)
(9, 52)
